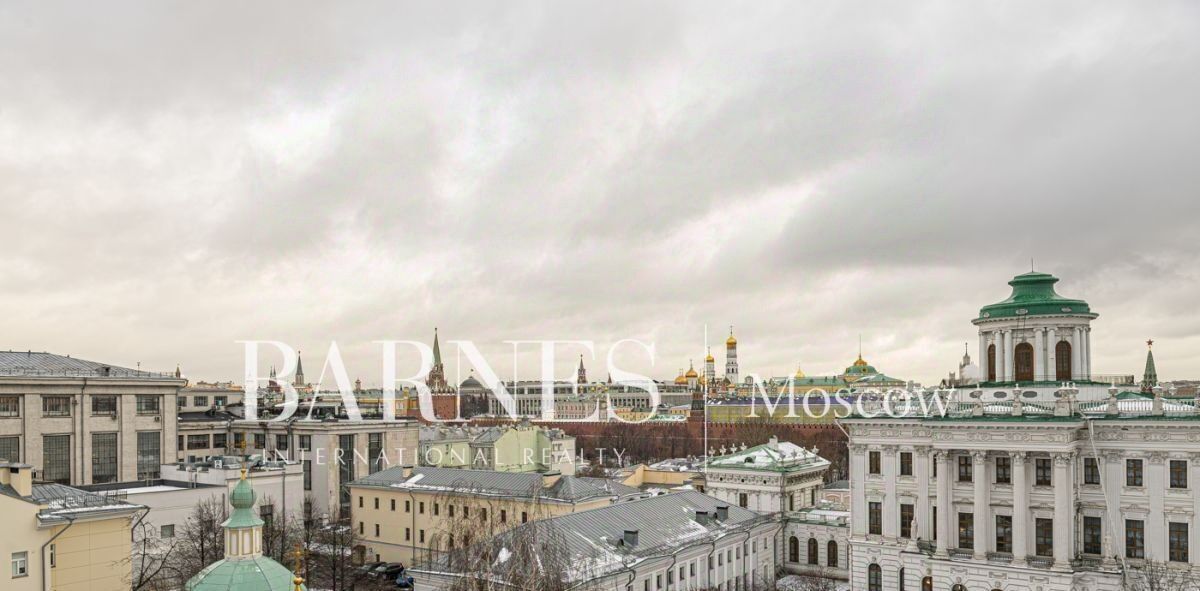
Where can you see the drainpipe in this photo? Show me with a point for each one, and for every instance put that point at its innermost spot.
(42, 556)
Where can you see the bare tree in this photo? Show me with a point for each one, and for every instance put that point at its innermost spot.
(1161, 576)
(150, 560)
(200, 542)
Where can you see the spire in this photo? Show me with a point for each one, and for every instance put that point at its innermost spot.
(299, 381)
(581, 373)
(437, 349)
(1150, 376)
(178, 374)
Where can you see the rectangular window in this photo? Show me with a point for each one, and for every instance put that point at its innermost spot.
(1004, 533)
(104, 458)
(524, 517)
(875, 518)
(10, 448)
(201, 401)
(933, 513)
(422, 540)
(1179, 475)
(148, 404)
(966, 531)
(964, 469)
(56, 458)
(906, 468)
(239, 440)
(149, 455)
(1043, 537)
(421, 507)
(305, 442)
(376, 503)
(1133, 473)
(1135, 538)
(874, 463)
(104, 405)
(1092, 535)
(10, 406)
(219, 401)
(167, 531)
(906, 518)
(503, 515)
(219, 440)
(345, 461)
(1177, 542)
(260, 441)
(1042, 471)
(1091, 471)
(743, 500)
(281, 441)
(20, 564)
(307, 464)
(56, 406)
(375, 451)
(1003, 470)
(197, 441)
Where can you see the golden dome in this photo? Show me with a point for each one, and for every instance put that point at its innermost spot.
(681, 380)
(799, 373)
(709, 358)
(731, 341)
(860, 362)
(691, 373)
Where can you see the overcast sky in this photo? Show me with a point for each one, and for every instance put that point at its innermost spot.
(175, 177)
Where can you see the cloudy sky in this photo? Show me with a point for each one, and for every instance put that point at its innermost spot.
(175, 177)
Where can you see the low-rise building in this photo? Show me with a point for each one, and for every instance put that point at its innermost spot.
(405, 513)
(769, 478)
(678, 541)
(516, 448)
(62, 538)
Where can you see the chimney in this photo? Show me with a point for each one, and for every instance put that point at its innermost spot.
(773, 443)
(701, 515)
(550, 478)
(630, 538)
(722, 512)
(18, 476)
(406, 470)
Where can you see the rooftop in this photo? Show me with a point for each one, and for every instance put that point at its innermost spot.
(35, 364)
(571, 489)
(782, 456)
(1033, 295)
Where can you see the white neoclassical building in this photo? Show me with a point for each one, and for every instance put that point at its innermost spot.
(1041, 485)
(769, 478)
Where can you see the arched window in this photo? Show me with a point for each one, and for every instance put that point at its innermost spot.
(901, 580)
(831, 558)
(958, 588)
(812, 552)
(1023, 360)
(1062, 361)
(874, 578)
(927, 584)
(793, 549)
(991, 363)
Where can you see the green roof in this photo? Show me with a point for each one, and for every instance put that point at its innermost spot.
(242, 499)
(1033, 295)
(243, 574)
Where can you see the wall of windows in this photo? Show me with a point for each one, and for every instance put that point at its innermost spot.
(149, 454)
(56, 458)
(10, 448)
(10, 406)
(104, 457)
(148, 404)
(375, 451)
(104, 405)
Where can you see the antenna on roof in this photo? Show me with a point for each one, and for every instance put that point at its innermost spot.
(1030, 264)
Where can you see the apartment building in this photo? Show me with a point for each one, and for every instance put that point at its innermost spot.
(403, 514)
(82, 422)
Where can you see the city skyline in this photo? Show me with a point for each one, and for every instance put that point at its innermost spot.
(806, 176)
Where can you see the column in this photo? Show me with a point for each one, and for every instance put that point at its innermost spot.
(858, 491)
(1063, 511)
(1009, 345)
(1001, 364)
(1051, 363)
(1039, 354)
(1076, 350)
(1194, 528)
(1114, 479)
(891, 506)
(982, 361)
(1020, 514)
(1087, 353)
(944, 503)
(921, 472)
(1156, 486)
(982, 507)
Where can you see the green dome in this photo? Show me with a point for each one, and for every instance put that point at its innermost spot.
(242, 499)
(1033, 295)
(243, 574)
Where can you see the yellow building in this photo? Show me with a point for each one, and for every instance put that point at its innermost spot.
(408, 514)
(61, 538)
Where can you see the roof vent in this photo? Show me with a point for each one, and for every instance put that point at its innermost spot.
(630, 538)
(722, 512)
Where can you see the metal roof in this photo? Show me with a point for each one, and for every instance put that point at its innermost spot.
(35, 364)
(493, 483)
